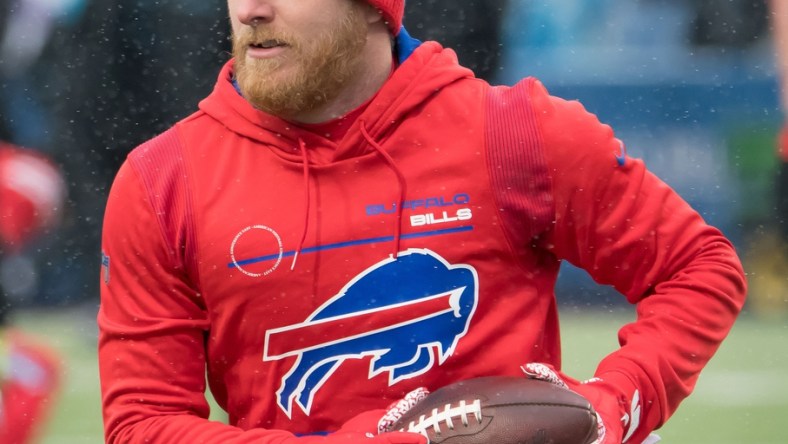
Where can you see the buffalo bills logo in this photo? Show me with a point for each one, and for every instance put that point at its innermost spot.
(397, 312)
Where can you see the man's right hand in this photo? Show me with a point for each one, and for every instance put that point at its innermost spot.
(362, 438)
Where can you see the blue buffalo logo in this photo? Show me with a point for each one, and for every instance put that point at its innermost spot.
(397, 312)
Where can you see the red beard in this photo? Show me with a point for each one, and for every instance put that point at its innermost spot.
(310, 73)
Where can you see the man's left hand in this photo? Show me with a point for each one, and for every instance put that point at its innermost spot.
(609, 430)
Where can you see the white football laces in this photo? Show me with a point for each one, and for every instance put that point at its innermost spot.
(448, 415)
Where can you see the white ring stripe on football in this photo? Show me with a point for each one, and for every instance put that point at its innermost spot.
(434, 420)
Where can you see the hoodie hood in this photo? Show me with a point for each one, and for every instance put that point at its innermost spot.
(426, 71)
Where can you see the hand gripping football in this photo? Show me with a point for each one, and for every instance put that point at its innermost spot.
(502, 410)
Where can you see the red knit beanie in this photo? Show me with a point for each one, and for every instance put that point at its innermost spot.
(392, 10)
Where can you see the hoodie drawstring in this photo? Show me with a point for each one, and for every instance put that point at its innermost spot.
(307, 200)
(400, 179)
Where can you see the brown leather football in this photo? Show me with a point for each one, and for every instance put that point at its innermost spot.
(502, 410)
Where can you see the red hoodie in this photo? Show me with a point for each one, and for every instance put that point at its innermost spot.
(428, 243)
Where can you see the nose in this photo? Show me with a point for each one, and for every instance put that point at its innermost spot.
(254, 12)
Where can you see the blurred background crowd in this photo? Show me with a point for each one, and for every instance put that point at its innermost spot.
(691, 86)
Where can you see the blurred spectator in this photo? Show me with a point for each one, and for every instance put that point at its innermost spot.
(31, 196)
(779, 16)
(472, 28)
(26, 28)
(768, 258)
(28, 82)
(29, 384)
(129, 70)
(729, 23)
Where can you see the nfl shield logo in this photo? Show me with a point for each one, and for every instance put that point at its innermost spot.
(105, 267)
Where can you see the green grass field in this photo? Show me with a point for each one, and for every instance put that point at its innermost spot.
(742, 396)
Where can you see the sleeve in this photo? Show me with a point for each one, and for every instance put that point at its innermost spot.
(628, 229)
(152, 327)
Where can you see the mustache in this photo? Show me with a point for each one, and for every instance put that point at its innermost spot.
(263, 36)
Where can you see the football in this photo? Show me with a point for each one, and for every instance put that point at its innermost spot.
(502, 410)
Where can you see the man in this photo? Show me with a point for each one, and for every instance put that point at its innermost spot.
(341, 224)
(768, 252)
(779, 20)
(473, 30)
(31, 196)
